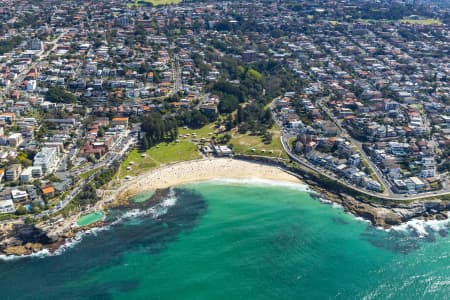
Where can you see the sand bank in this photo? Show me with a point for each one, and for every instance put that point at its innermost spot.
(202, 170)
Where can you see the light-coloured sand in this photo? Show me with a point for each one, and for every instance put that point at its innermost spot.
(177, 174)
(202, 170)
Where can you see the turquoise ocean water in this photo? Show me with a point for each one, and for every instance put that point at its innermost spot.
(239, 240)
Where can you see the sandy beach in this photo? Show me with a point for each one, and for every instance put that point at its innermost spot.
(196, 171)
(201, 170)
(173, 175)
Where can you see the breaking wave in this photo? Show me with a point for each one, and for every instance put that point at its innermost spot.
(261, 182)
(154, 212)
(422, 228)
(40, 254)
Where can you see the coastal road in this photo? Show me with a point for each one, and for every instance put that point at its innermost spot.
(343, 132)
(114, 155)
(304, 163)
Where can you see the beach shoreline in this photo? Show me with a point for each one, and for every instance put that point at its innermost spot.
(166, 176)
(203, 170)
(379, 215)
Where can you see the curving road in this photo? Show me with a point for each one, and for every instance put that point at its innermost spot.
(389, 195)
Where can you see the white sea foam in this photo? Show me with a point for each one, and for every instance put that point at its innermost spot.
(421, 227)
(261, 182)
(155, 212)
(337, 205)
(325, 201)
(361, 219)
(70, 243)
(40, 254)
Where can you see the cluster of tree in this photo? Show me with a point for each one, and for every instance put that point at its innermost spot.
(195, 118)
(446, 18)
(20, 210)
(174, 97)
(254, 112)
(231, 95)
(227, 88)
(105, 176)
(223, 139)
(60, 95)
(88, 195)
(225, 25)
(158, 129)
(248, 88)
(200, 63)
(388, 11)
(262, 80)
(256, 119)
(26, 158)
(445, 99)
(8, 45)
(444, 165)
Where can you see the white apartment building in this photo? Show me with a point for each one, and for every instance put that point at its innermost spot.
(47, 159)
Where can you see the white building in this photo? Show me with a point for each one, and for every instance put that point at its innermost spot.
(7, 206)
(30, 173)
(427, 173)
(222, 150)
(19, 196)
(47, 159)
(374, 185)
(31, 85)
(26, 175)
(15, 139)
(36, 44)
(414, 184)
(428, 167)
(36, 172)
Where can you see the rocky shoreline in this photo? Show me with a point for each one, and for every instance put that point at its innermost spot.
(26, 239)
(387, 216)
(380, 215)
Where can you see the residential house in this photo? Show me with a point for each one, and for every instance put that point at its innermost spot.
(13, 172)
(7, 206)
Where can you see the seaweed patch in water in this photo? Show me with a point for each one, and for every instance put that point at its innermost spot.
(338, 220)
(398, 242)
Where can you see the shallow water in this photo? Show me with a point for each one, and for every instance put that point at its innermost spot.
(240, 240)
(90, 218)
(142, 197)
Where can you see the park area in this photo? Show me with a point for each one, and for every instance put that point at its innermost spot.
(422, 21)
(185, 148)
(138, 162)
(154, 2)
(253, 145)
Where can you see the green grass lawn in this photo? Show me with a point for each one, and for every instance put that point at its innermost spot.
(88, 173)
(155, 2)
(422, 22)
(206, 131)
(173, 152)
(137, 163)
(245, 144)
(406, 21)
(161, 154)
(291, 142)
